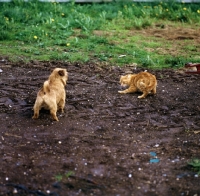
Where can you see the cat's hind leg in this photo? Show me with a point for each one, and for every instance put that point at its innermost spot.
(145, 93)
(154, 90)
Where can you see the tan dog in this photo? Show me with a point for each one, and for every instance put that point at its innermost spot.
(52, 95)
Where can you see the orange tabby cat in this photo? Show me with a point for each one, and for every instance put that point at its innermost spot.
(143, 81)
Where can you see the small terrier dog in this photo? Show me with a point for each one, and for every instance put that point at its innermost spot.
(52, 95)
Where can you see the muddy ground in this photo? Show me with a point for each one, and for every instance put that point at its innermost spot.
(106, 143)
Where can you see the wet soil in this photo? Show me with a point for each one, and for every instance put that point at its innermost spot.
(105, 143)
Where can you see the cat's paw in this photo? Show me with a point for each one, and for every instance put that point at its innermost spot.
(141, 97)
(122, 92)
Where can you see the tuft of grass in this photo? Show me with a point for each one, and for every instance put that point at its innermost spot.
(61, 177)
(195, 163)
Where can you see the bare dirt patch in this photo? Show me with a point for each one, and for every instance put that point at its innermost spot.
(185, 41)
(105, 141)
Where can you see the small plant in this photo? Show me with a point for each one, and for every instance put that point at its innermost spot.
(195, 163)
(61, 177)
(58, 177)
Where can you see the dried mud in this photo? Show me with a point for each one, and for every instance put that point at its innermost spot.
(104, 142)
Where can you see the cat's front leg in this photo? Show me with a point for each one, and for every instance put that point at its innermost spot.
(129, 90)
(122, 92)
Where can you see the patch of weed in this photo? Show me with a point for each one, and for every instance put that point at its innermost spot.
(195, 164)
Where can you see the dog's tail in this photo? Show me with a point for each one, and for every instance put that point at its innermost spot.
(46, 87)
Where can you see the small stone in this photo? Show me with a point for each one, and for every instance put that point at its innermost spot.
(15, 191)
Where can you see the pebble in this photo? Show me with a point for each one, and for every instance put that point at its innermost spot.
(15, 191)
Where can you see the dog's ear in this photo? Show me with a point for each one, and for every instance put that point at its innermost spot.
(61, 72)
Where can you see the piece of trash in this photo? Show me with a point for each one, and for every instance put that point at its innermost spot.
(1, 70)
(182, 175)
(156, 145)
(196, 132)
(153, 154)
(123, 55)
(154, 160)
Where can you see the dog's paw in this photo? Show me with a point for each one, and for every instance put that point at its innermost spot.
(55, 118)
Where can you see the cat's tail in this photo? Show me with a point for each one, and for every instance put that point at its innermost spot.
(142, 85)
(46, 87)
(151, 84)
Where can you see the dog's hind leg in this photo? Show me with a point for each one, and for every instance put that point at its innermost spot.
(36, 109)
(36, 114)
(53, 111)
(53, 114)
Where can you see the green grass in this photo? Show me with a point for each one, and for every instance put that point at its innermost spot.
(95, 32)
(61, 177)
(195, 164)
